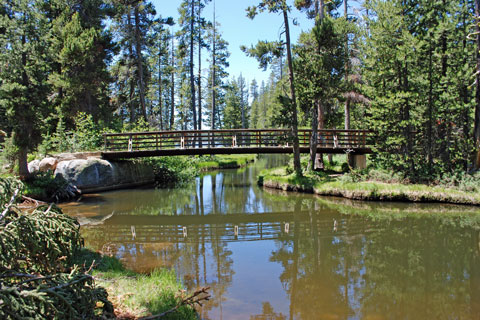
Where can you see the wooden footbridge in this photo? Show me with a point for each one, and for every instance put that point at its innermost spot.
(236, 141)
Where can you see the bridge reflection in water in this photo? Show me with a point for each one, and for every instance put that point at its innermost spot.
(229, 228)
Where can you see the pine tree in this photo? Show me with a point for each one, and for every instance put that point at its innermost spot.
(476, 131)
(81, 47)
(158, 62)
(254, 106)
(290, 103)
(244, 107)
(24, 87)
(133, 21)
(232, 115)
(217, 74)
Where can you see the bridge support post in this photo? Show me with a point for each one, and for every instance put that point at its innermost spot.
(359, 161)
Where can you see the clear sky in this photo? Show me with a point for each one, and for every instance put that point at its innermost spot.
(239, 30)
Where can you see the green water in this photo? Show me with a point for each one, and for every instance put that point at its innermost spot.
(269, 255)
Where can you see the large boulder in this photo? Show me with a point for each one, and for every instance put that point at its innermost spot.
(95, 175)
(77, 155)
(47, 164)
(33, 166)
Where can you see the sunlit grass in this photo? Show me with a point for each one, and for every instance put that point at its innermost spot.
(136, 295)
(328, 185)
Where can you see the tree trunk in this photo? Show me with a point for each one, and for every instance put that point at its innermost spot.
(192, 77)
(296, 148)
(241, 84)
(22, 149)
(199, 125)
(214, 71)
(214, 91)
(160, 88)
(321, 4)
(23, 172)
(314, 138)
(430, 109)
(476, 132)
(347, 100)
(130, 63)
(319, 165)
(138, 49)
(172, 91)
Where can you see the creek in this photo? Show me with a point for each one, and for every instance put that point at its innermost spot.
(271, 255)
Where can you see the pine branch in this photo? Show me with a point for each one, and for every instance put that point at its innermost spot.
(12, 201)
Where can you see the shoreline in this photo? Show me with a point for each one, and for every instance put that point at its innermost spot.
(367, 190)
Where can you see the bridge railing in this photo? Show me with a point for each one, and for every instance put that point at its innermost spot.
(161, 140)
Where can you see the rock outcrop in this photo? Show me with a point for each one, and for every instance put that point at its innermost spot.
(91, 174)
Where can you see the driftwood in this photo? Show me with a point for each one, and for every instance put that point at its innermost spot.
(30, 203)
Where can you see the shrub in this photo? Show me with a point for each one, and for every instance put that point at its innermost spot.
(461, 180)
(85, 137)
(45, 186)
(173, 171)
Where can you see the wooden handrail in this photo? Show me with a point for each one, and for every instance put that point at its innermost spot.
(236, 138)
(224, 131)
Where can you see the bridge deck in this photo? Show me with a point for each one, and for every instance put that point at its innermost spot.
(237, 141)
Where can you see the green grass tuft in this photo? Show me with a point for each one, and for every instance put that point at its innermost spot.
(136, 295)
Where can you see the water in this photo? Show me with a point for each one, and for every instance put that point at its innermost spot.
(269, 255)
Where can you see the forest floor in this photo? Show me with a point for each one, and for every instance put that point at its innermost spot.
(339, 185)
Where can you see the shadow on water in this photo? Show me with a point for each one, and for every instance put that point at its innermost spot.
(269, 255)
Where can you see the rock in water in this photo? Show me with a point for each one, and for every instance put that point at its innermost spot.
(95, 175)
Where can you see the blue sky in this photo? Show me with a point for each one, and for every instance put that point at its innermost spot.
(239, 30)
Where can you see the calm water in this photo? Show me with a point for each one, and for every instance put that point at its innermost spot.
(268, 255)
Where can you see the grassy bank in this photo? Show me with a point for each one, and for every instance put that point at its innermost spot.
(343, 186)
(135, 295)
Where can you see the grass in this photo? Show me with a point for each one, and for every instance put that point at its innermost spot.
(225, 161)
(328, 185)
(137, 295)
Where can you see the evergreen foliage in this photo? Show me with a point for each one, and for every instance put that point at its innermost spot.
(421, 105)
(36, 276)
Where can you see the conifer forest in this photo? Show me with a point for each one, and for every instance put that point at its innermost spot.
(408, 70)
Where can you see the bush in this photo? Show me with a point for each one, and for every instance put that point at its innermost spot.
(461, 180)
(45, 186)
(173, 171)
(379, 175)
(8, 152)
(387, 176)
(87, 136)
